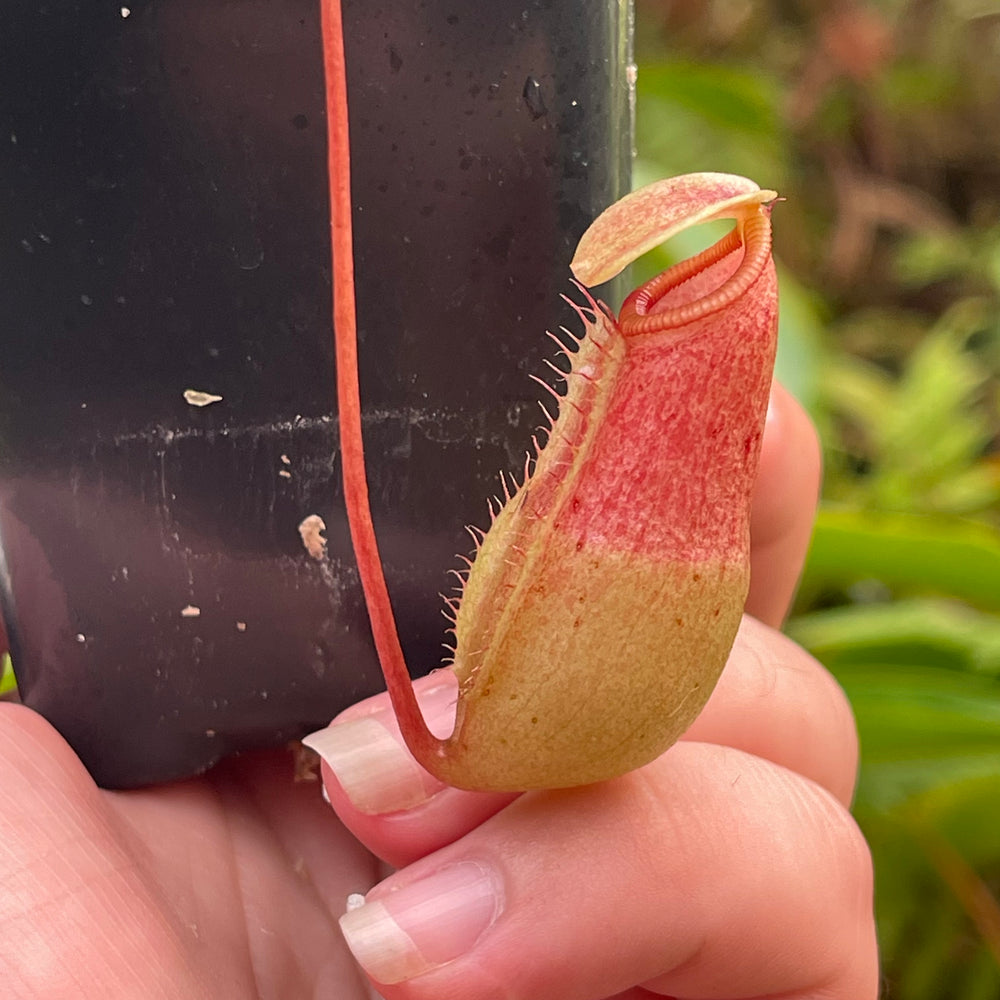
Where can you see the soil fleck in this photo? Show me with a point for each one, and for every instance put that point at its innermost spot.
(310, 531)
(195, 397)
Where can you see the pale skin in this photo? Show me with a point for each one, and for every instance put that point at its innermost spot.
(729, 868)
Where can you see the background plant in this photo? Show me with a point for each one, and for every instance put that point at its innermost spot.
(877, 121)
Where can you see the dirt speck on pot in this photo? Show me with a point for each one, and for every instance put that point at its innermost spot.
(311, 530)
(195, 397)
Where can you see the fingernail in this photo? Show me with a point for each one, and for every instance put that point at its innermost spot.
(371, 762)
(426, 924)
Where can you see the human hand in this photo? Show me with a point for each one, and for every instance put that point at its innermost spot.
(224, 887)
(728, 868)
(229, 885)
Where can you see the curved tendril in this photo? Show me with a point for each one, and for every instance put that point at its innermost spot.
(427, 748)
(752, 233)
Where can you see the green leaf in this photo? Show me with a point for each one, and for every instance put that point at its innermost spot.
(966, 813)
(801, 361)
(915, 553)
(930, 950)
(738, 100)
(921, 728)
(924, 632)
(912, 86)
(969, 491)
(860, 391)
(921, 438)
(931, 256)
(692, 116)
(936, 391)
(981, 977)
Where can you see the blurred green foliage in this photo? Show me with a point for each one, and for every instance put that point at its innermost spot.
(878, 122)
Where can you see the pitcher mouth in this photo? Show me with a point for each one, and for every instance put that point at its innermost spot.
(639, 314)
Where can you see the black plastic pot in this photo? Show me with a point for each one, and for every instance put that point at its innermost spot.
(164, 227)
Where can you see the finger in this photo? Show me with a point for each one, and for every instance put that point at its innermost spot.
(708, 874)
(784, 505)
(79, 919)
(390, 803)
(777, 702)
(773, 700)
